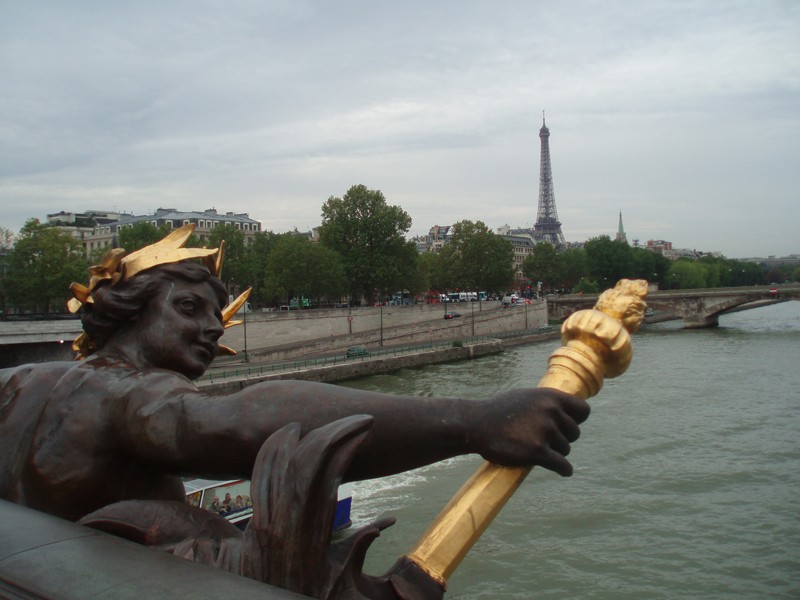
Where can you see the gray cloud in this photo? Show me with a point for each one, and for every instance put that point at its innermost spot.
(683, 116)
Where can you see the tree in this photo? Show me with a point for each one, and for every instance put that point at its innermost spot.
(648, 265)
(586, 286)
(428, 273)
(298, 267)
(235, 273)
(41, 267)
(369, 236)
(477, 259)
(6, 239)
(609, 260)
(141, 234)
(6, 244)
(574, 267)
(688, 274)
(255, 266)
(542, 264)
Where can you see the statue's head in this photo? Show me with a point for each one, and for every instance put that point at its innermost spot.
(125, 289)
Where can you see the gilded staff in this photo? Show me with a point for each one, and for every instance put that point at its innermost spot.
(596, 344)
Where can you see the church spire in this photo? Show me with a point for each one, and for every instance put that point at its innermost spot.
(621, 237)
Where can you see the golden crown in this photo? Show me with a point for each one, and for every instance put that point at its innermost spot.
(118, 266)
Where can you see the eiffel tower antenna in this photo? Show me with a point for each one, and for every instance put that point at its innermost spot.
(547, 227)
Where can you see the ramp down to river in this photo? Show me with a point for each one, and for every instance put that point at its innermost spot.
(339, 368)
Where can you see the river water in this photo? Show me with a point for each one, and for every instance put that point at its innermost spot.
(687, 474)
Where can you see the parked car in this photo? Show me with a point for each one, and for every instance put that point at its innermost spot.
(452, 315)
(357, 352)
(510, 300)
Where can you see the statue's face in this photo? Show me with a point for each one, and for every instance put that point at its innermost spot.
(179, 328)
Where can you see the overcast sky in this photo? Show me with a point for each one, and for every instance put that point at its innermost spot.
(685, 116)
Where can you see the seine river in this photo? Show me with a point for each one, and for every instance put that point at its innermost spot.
(687, 474)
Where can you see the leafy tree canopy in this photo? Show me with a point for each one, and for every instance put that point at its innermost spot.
(41, 267)
(369, 235)
(298, 267)
(543, 265)
(255, 266)
(609, 260)
(477, 259)
(428, 273)
(235, 270)
(688, 274)
(140, 234)
(574, 267)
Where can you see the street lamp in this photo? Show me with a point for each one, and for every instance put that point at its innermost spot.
(380, 303)
(472, 304)
(244, 325)
(232, 293)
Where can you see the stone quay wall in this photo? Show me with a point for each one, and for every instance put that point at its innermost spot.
(359, 368)
(284, 335)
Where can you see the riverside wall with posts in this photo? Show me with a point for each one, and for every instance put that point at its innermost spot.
(290, 334)
(323, 371)
(284, 335)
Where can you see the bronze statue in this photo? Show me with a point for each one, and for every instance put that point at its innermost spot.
(126, 423)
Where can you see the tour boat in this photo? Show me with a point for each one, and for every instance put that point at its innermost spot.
(234, 503)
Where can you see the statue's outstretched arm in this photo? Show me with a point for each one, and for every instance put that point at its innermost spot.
(189, 431)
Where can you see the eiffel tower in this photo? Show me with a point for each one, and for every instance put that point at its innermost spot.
(547, 227)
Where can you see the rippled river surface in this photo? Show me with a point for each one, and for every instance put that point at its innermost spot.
(687, 474)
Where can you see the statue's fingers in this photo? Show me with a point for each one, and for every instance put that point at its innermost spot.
(554, 461)
(576, 408)
(560, 444)
(569, 429)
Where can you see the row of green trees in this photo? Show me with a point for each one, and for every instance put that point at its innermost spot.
(363, 253)
(602, 261)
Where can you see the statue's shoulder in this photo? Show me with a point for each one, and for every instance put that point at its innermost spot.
(28, 387)
(46, 369)
(121, 376)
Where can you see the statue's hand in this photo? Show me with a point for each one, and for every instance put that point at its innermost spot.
(527, 427)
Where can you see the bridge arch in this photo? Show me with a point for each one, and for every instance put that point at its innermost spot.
(697, 308)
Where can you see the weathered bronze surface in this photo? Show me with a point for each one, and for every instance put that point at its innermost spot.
(596, 344)
(115, 432)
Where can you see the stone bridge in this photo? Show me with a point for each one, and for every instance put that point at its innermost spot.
(698, 308)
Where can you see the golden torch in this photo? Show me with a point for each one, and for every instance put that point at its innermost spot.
(596, 345)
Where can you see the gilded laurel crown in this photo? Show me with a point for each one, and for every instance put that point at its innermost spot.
(118, 266)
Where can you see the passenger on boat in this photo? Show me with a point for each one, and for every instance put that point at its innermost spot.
(128, 421)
